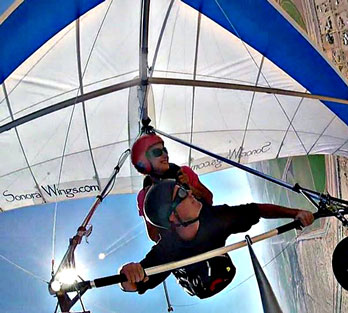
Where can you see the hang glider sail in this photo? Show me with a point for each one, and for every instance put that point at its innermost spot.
(219, 79)
(78, 76)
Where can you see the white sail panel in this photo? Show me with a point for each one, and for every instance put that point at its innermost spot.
(246, 126)
(110, 43)
(45, 78)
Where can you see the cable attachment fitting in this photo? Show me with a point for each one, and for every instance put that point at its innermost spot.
(296, 188)
(88, 232)
(146, 128)
(82, 232)
(325, 204)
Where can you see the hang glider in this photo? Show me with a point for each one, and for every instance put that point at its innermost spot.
(78, 77)
(218, 77)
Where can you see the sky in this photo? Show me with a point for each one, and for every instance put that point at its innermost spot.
(26, 253)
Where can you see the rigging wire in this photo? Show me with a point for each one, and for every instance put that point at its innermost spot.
(83, 230)
(251, 106)
(143, 87)
(152, 67)
(164, 24)
(29, 167)
(23, 269)
(120, 162)
(263, 76)
(322, 133)
(80, 299)
(54, 231)
(57, 307)
(340, 147)
(96, 37)
(199, 23)
(166, 293)
(288, 128)
(62, 166)
(170, 51)
(58, 183)
(34, 65)
(78, 55)
(65, 148)
(66, 139)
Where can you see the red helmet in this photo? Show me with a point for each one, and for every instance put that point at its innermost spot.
(138, 153)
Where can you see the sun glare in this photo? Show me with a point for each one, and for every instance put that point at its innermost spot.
(67, 276)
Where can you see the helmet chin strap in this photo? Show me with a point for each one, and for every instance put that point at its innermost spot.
(187, 223)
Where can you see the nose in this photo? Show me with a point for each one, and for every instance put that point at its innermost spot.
(164, 155)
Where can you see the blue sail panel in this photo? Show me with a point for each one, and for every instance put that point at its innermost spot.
(260, 25)
(32, 24)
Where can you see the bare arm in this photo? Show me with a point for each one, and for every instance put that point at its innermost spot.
(275, 211)
(199, 191)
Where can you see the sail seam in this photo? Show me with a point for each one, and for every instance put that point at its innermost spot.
(251, 106)
(164, 24)
(67, 92)
(175, 134)
(340, 147)
(21, 144)
(322, 133)
(167, 66)
(291, 125)
(194, 88)
(264, 77)
(78, 55)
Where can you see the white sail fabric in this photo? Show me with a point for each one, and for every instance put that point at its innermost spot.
(48, 158)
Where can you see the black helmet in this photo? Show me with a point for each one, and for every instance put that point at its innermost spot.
(158, 203)
(339, 263)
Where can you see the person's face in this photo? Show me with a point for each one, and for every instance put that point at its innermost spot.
(158, 158)
(189, 208)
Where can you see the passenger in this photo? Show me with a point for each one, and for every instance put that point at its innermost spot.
(150, 157)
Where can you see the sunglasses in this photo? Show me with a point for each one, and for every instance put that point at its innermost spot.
(156, 153)
(181, 195)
